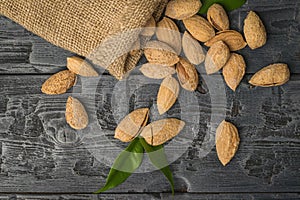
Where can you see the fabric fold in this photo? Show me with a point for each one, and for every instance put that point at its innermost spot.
(82, 26)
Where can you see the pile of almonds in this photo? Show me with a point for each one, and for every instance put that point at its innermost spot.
(164, 61)
(59, 83)
(214, 32)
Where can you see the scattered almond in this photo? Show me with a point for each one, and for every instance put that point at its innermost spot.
(234, 71)
(187, 75)
(131, 125)
(227, 142)
(79, 66)
(161, 131)
(59, 83)
(217, 17)
(168, 32)
(192, 49)
(216, 57)
(167, 94)
(254, 30)
(272, 75)
(182, 9)
(149, 28)
(76, 115)
(160, 53)
(157, 71)
(199, 28)
(233, 39)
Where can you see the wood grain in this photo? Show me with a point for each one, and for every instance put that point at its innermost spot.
(41, 157)
(38, 147)
(155, 196)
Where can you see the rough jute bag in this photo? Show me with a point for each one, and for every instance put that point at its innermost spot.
(81, 26)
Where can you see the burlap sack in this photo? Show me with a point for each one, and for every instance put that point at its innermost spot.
(81, 26)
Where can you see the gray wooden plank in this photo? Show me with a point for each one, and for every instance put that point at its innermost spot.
(40, 153)
(23, 52)
(161, 196)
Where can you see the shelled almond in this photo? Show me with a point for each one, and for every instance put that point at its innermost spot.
(272, 75)
(182, 9)
(59, 83)
(232, 38)
(199, 28)
(217, 56)
(255, 31)
(160, 53)
(217, 17)
(168, 32)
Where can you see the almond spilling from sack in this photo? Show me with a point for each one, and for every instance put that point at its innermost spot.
(59, 83)
(233, 39)
(136, 47)
(132, 124)
(149, 28)
(168, 32)
(157, 71)
(272, 75)
(187, 75)
(76, 115)
(216, 57)
(182, 9)
(227, 141)
(161, 131)
(79, 66)
(234, 70)
(199, 28)
(160, 53)
(254, 30)
(217, 17)
(192, 49)
(167, 94)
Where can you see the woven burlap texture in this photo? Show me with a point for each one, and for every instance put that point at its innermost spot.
(81, 26)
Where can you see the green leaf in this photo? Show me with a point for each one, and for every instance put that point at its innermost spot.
(125, 164)
(229, 5)
(158, 158)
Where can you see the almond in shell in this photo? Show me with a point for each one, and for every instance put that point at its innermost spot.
(216, 57)
(136, 47)
(59, 83)
(217, 17)
(79, 66)
(157, 71)
(254, 30)
(234, 71)
(272, 75)
(160, 53)
(168, 32)
(131, 125)
(182, 9)
(167, 94)
(199, 28)
(192, 49)
(233, 39)
(161, 131)
(227, 142)
(76, 115)
(149, 28)
(187, 75)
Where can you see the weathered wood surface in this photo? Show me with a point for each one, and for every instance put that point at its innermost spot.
(41, 157)
(162, 196)
(21, 52)
(40, 153)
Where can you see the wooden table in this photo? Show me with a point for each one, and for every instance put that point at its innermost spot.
(42, 158)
